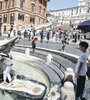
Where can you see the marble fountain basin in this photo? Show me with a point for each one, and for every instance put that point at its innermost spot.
(26, 87)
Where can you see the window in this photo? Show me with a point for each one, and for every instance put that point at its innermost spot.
(77, 11)
(11, 28)
(72, 12)
(44, 3)
(40, 10)
(33, 7)
(40, 1)
(43, 21)
(6, 4)
(21, 16)
(21, 4)
(43, 12)
(32, 19)
(12, 3)
(0, 19)
(39, 20)
(5, 19)
(11, 18)
(0, 5)
(80, 10)
(4, 28)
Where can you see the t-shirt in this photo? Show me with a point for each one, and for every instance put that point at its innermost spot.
(83, 58)
(7, 61)
(33, 41)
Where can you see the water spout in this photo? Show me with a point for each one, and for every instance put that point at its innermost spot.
(27, 51)
(49, 58)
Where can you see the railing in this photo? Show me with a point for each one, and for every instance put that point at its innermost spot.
(61, 67)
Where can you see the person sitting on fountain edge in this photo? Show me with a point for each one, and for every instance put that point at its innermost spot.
(7, 64)
(81, 69)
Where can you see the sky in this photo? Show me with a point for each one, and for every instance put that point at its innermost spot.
(61, 4)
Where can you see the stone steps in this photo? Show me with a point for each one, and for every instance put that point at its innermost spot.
(54, 78)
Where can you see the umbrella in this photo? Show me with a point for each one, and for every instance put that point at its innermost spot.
(85, 26)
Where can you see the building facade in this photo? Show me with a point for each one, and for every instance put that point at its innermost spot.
(21, 13)
(73, 15)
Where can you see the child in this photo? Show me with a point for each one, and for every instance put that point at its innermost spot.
(81, 69)
(33, 44)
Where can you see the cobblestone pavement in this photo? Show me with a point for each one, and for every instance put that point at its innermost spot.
(70, 48)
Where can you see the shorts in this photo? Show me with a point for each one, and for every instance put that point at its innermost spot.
(63, 42)
(34, 46)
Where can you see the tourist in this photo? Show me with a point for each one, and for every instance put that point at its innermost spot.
(56, 35)
(9, 34)
(29, 35)
(19, 33)
(75, 37)
(81, 69)
(25, 32)
(14, 33)
(53, 33)
(41, 34)
(48, 36)
(7, 64)
(33, 44)
(64, 41)
(34, 32)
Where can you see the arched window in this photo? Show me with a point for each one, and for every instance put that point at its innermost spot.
(12, 18)
(5, 18)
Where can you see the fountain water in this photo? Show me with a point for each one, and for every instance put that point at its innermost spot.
(21, 67)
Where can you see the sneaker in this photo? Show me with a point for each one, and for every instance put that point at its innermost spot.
(9, 84)
(83, 97)
(3, 84)
(78, 98)
(59, 49)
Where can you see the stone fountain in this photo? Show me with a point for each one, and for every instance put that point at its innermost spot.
(22, 85)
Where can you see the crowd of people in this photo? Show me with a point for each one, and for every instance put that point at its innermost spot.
(54, 34)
